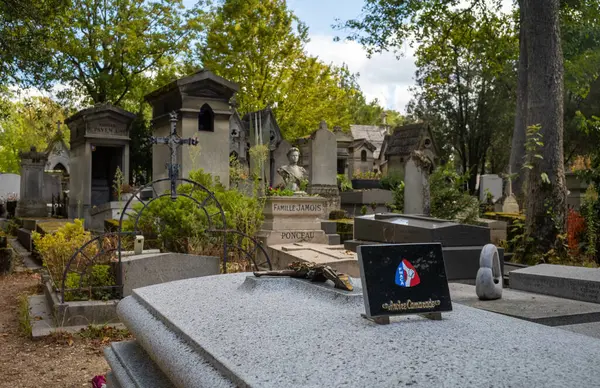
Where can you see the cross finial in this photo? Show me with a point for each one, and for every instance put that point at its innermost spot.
(173, 141)
(323, 125)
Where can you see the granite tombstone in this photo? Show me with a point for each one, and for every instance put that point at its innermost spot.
(400, 279)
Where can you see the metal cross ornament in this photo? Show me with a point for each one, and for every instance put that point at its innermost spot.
(173, 141)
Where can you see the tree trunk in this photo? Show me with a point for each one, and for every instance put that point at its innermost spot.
(517, 151)
(546, 203)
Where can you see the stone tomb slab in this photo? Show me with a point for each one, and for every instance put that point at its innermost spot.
(402, 228)
(462, 263)
(542, 309)
(564, 281)
(336, 256)
(284, 332)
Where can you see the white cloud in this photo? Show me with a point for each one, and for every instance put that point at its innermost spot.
(382, 76)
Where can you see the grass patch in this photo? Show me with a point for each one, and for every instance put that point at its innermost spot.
(24, 321)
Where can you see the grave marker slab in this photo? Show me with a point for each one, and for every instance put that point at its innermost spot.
(238, 330)
(401, 279)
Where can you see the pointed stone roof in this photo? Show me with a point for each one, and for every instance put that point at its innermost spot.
(372, 133)
(202, 83)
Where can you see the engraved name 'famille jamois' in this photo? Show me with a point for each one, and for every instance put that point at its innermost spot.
(297, 235)
(298, 207)
(410, 305)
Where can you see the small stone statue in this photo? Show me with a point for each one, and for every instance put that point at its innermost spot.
(292, 174)
(315, 272)
(488, 284)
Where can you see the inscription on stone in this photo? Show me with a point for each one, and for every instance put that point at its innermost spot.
(304, 236)
(295, 207)
(109, 129)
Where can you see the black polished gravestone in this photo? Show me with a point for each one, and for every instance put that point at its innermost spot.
(403, 228)
(400, 279)
(461, 243)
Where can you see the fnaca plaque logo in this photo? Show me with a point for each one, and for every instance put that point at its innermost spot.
(406, 275)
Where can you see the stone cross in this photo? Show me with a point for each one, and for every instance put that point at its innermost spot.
(173, 141)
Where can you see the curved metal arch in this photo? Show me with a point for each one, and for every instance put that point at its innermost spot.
(250, 255)
(89, 261)
(173, 195)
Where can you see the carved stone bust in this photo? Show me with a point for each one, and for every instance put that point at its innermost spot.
(292, 174)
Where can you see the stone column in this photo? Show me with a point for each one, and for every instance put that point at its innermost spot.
(323, 168)
(416, 184)
(31, 202)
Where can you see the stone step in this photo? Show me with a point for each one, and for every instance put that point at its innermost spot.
(40, 317)
(43, 323)
(175, 355)
(542, 309)
(132, 367)
(333, 239)
(563, 281)
(29, 263)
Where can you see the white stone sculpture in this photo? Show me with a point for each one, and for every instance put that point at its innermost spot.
(488, 284)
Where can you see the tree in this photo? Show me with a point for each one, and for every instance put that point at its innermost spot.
(259, 44)
(254, 43)
(101, 48)
(546, 199)
(24, 29)
(465, 82)
(31, 122)
(385, 25)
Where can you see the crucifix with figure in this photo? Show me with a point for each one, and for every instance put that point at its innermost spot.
(173, 141)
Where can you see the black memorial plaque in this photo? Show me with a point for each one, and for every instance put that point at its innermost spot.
(400, 279)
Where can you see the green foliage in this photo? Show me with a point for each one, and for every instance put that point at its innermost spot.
(25, 28)
(368, 175)
(30, 122)
(57, 248)
(181, 223)
(99, 275)
(449, 201)
(101, 48)
(398, 196)
(337, 214)
(363, 210)
(590, 210)
(279, 192)
(118, 182)
(266, 42)
(24, 319)
(344, 184)
(237, 172)
(391, 181)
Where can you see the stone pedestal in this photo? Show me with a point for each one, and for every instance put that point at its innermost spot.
(293, 219)
(32, 203)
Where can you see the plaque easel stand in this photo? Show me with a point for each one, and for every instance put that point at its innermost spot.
(385, 320)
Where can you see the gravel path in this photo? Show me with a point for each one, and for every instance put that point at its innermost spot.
(57, 361)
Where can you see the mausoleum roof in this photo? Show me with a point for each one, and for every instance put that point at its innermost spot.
(373, 133)
(100, 108)
(406, 138)
(201, 80)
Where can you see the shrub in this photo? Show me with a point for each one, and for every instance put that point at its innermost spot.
(57, 248)
(182, 223)
(398, 196)
(100, 275)
(337, 214)
(344, 184)
(279, 192)
(368, 175)
(449, 201)
(391, 182)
